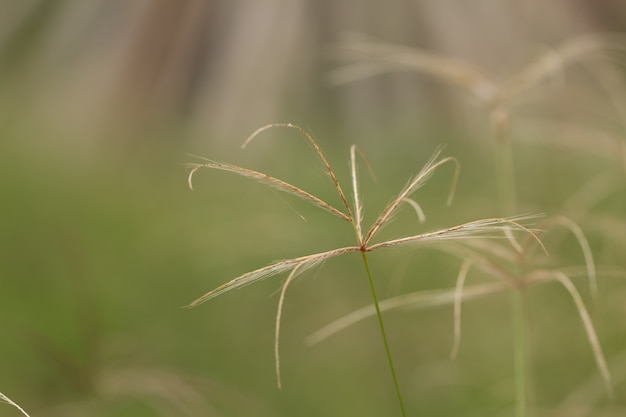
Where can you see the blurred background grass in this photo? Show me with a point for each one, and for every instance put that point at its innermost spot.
(102, 242)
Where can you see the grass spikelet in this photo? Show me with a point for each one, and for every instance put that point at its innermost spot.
(267, 180)
(358, 205)
(475, 229)
(302, 263)
(318, 151)
(413, 185)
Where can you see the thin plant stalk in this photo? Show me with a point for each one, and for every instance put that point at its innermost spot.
(519, 352)
(356, 223)
(383, 334)
(505, 171)
(505, 174)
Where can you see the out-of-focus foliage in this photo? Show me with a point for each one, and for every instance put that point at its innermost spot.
(101, 242)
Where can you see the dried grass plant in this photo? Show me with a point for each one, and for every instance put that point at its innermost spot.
(365, 239)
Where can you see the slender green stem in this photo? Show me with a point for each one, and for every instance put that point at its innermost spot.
(507, 196)
(519, 360)
(507, 193)
(383, 334)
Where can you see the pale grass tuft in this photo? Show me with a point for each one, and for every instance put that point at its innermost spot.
(7, 400)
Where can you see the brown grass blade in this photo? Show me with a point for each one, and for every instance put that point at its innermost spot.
(267, 180)
(302, 263)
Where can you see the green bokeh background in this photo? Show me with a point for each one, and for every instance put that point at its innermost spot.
(102, 244)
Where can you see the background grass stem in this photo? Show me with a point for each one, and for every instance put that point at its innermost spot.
(507, 196)
(519, 352)
(505, 171)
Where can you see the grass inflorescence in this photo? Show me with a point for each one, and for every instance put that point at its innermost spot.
(365, 239)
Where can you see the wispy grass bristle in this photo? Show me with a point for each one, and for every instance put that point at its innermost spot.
(589, 329)
(4, 398)
(421, 216)
(584, 247)
(279, 313)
